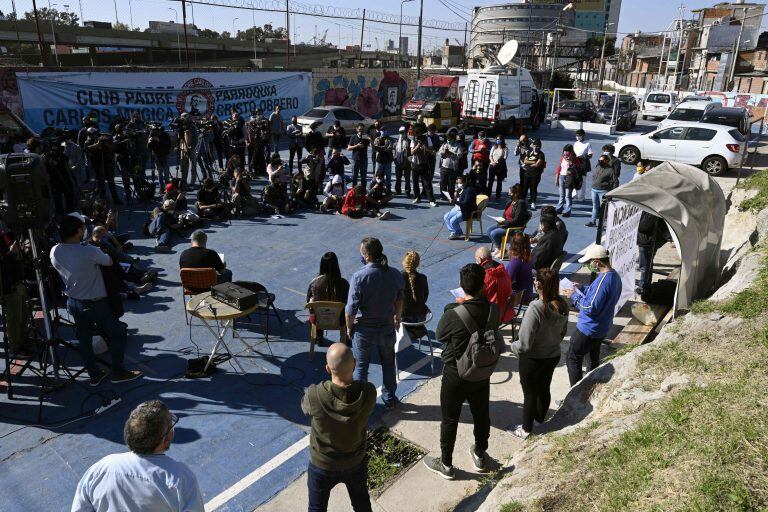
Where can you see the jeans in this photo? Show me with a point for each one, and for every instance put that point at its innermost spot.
(360, 167)
(275, 148)
(497, 235)
(565, 201)
(387, 170)
(453, 220)
(454, 391)
(448, 181)
(580, 346)
(531, 183)
(426, 183)
(99, 312)
(160, 231)
(160, 163)
(646, 254)
(383, 338)
(597, 198)
(535, 379)
(294, 152)
(321, 481)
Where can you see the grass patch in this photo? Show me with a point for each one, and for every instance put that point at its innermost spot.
(512, 506)
(388, 456)
(759, 182)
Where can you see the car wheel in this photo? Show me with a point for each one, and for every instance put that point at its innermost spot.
(714, 165)
(645, 118)
(630, 155)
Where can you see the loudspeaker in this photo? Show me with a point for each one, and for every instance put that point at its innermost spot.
(26, 200)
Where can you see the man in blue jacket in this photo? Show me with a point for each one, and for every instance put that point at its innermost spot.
(465, 204)
(596, 306)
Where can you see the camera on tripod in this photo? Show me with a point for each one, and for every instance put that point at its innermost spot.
(26, 201)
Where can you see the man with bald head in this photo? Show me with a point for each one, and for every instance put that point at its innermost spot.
(339, 408)
(498, 284)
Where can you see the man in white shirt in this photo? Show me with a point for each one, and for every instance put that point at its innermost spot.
(583, 150)
(145, 478)
(79, 268)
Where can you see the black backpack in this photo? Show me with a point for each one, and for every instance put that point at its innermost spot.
(484, 348)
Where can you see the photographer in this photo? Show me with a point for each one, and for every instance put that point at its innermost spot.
(358, 145)
(188, 140)
(209, 200)
(450, 152)
(336, 136)
(218, 139)
(57, 166)
(14, 296)
(138, 129)
(383, 156)
(159, 144)
(254, 141)
(99, 147)
(243, 202)
(233, 136)
(314, 139)
(125, 152)
(420, 151)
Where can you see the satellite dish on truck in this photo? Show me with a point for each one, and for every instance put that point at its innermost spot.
(507, 52)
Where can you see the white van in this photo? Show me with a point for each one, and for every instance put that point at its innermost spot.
(658, 104)
(689, 112)
(499, 96)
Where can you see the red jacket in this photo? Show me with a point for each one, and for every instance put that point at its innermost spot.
(498, 287)
(482, 151)
(352, 202)
(576, 164)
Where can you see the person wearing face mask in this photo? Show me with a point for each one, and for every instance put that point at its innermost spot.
(596, 305)
(608, 151)
(379, 195)
(603, 180)
(358, 145)
(304, 189)
(567, 179)
(464, 205)
(643, 166)
(516, 215)
(521, 152)
(383, 156)
(583, 151)
(315, 163)
(549, 244)
(480, 151)
(533, 167)
(402, 154)
(334, 193)
(450, 152)
(144, 478)
(497, 168)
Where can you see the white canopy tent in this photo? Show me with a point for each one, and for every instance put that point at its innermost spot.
(693, 205)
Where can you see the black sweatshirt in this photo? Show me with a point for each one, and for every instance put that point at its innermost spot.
(452, 332)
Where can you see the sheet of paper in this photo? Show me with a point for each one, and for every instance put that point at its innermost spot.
(497, 219)
(276, 216)
(458, 293)
(221, 255)
(566, 284)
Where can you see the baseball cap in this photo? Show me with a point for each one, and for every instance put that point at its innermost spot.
(337, 179)
(402, 129)
(168, 204)
(594, 252)
(169, 187)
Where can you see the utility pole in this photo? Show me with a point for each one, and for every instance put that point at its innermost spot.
(288, 36)
(465, 47)
(679, 44)
(602, 56)
(82, 19)
(253, 21)
(737, 45)
(39, 34)
(568, 7)
(184, 22)
(661, 56)
(362, 35)
(418, 50)
(116, 20)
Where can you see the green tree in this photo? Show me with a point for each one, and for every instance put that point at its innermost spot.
(58, 17)
(262, 33)
(119, 25)
(206, 32)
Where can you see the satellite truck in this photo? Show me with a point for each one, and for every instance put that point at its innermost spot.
(502, 97)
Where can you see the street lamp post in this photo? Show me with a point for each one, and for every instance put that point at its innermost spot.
(418, 50)
(253, 16)
(53, 34)
(602, 56)
(233, 26)
(567, 7)
(178, 41)
(400, 33)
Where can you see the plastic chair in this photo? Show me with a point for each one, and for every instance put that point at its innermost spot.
(482, 202)
(423, 324)
(513, 229)
(328, 317)
(194, 281)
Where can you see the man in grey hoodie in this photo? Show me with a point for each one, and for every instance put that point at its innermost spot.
(339, 408)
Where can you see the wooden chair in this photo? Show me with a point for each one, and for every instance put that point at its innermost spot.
(328, 317)
(482, 202)
(194, 281)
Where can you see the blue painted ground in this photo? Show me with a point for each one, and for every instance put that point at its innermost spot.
(233, 424)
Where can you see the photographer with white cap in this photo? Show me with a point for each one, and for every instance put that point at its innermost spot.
(596, 305)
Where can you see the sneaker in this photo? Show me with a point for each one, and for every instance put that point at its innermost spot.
(432, 204)
(144, 288)
(162, 248)
(435, 465)
(533, 206)
(390, 406)
(455, 236)
(590, 224)
(96, 379)
(416, 201)
(323, 208)
(125, 376)
(478, 460)
(519, 432)
(384, 215)
(150, 275)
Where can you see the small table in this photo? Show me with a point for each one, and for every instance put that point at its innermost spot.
(209, 309)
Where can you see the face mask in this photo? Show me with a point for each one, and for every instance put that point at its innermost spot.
(362, 260)
(593, 268)
(460, 186)
(579, 138)
(379, 180)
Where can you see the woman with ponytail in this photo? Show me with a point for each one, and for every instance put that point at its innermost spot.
(328, 285)
(415, 294)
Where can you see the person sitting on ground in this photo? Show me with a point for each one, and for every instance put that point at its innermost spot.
(464, 205)
(519, 266)
(548, 247)
(415, 294)
(562, 229)
(199, 256)
(144, 478)
(279, 171)
(355, 205)
(314, 162)
(537, 348)
(305, 189)
(339, 409)
(233, 164)
(379, 195)
(516, 215)
(497, 285)
(209, 202)
(274, 198)
(243, 202)
(126, 267)
(337, 163)
(328, 285)
(335, 191)
(161, 226)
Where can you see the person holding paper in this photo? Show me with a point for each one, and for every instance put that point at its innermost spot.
(199, 256)
(464, 205)
(597, 306)
(549, 244)
(516, 215)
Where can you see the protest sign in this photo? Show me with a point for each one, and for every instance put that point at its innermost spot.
(620, 238)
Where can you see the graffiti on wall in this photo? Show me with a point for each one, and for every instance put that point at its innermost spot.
(373, 96)
(756, 104)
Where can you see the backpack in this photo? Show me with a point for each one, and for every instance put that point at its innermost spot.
(484, 348)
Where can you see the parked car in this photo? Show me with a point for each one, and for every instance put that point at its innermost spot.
(713, 147)
(626, 113)
(658, 104)
(577, 110)
(327, 115)
(689, 112)
(735, 117)
(696, 97)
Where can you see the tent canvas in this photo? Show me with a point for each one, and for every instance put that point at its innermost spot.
(693, 205)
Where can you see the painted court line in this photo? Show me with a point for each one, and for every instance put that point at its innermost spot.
(289, 452)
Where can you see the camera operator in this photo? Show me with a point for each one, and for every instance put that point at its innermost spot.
(233, 136)
(125, 152)
(314, 138)
(75, 162)
(188, 140)
(205, 149)
(99, 147)
(159, 144)
(57, 167)
(336, 136)
(14, 296)
(82, 136)
(295, 142)
(218, 140)
(138, 128)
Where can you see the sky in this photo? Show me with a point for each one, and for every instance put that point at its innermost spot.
(645, 15)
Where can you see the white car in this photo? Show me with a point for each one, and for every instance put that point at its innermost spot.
(327, 115)
(688, 112)
(713, 147)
